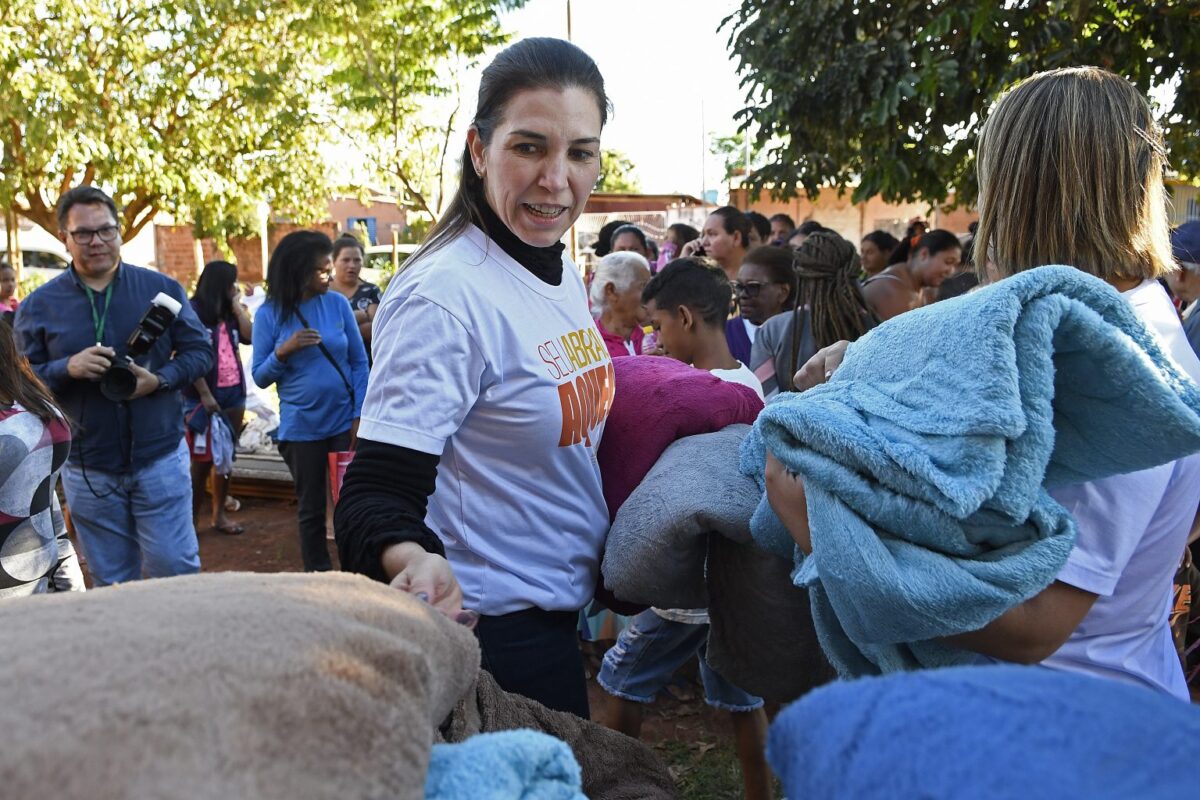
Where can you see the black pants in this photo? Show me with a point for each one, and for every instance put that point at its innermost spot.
(535, 653)
(309, 464)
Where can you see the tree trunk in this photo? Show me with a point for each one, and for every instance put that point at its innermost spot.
(11, 225)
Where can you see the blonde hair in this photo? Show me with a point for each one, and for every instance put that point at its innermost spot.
(1070, 166)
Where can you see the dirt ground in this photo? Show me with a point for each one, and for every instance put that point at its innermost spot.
(270, 544)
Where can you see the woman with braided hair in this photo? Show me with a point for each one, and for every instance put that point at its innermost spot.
(827, 306)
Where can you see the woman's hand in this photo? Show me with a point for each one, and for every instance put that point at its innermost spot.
(785, 493)
(302, 338)
(692, 248)
(415, 571)
(820, 367)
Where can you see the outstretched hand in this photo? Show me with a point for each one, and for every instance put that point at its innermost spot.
(426, 575)
(820, 367)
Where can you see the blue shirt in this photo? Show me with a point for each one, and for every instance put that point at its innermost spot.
(55, 322)
(313, 400)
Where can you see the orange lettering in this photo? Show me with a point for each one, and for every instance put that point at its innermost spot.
(571, 415)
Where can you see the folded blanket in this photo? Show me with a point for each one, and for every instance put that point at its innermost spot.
(986, 732)
(658, 543)
(659, 400)
(760, 636)
(614, 766)
(925, 457)
(227, 685)
(512, 765)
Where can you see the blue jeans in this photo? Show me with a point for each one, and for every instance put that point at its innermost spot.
(141, 522)
(648, 652)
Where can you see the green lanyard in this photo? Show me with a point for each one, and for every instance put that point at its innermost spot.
(99, 319)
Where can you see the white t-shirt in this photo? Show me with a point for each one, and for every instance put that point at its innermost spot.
(507, 378)
(1132, 532)
(699, 616)
(741, 374)
(751, 329)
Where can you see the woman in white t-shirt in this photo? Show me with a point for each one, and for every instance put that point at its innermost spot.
(491, 386)
(1070, 172)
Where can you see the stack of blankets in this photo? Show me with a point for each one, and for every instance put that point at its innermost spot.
(280, 686)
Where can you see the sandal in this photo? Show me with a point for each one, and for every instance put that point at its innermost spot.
(229, 529)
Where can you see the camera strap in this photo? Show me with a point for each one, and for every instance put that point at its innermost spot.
(329, 357)
(98, 319)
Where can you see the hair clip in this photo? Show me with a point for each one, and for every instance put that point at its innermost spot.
(1155, 145)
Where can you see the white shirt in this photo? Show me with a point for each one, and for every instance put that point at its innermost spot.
(741, 374)
(751, 329)
(507, 378)
(1132, 532)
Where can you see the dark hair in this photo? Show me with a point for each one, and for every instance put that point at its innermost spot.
(690, 282)
(683, 232)
(734, 221)
(19, 383)
(291, 268)
(784, 218)
(883, 240)
(761, 224)
(826, 270)
(83, 196)
(5, 265)
(537, 63)
(810, 226)
(604, 238)
(211, 297)
(344, 241)
(936, 241)
(779, 262)
(635, 230)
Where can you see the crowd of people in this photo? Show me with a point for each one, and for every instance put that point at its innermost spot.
(474, 391)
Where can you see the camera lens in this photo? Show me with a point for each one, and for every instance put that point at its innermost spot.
(118, 383)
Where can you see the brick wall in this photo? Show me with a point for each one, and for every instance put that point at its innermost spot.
(175, 250)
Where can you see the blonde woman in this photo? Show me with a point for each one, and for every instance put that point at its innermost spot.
(1071, 172)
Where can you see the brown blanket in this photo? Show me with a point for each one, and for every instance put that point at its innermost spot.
(614, 766)
(224, 686)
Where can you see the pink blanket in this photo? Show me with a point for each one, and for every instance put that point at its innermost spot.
(659, 400)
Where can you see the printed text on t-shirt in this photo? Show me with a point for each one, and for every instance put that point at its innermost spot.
(580, 360)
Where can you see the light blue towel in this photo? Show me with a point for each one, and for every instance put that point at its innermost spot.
(986, 732)
(510, 765)
(926, 456)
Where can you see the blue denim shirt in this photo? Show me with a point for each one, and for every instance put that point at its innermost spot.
(55, 322)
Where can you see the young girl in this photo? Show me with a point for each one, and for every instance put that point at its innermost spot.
(35, 554)
(8, 293)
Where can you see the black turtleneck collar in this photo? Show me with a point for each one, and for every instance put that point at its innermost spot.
(544, 262)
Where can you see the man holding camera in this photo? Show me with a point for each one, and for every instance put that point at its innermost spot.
(127, 481)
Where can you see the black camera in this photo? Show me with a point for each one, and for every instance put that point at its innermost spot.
(118, 383)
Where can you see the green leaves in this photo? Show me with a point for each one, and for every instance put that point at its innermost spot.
(617, 173)
(887, 97)
(206, 109)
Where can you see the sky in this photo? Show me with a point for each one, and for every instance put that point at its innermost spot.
(667, 70)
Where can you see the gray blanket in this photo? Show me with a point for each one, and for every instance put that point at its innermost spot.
(658, 542)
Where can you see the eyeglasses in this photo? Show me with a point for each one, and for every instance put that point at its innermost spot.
(83, 236)
(749, 289)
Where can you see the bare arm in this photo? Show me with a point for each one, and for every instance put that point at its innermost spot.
(1034, 630)
(886, 298)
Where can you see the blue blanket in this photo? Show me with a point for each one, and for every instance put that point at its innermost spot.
(986, 732)
(927, 456)
(511, 765)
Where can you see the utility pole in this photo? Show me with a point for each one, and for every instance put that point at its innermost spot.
(569, 20)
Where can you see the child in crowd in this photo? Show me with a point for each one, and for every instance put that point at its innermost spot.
(8, 293)
(687, 303)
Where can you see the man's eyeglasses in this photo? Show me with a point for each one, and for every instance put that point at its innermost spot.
(749, 289)
(83, 236)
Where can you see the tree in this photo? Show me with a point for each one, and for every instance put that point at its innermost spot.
(889, 97)
(201, 108)
(732, 149)
(396, 67)
(617, 173)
